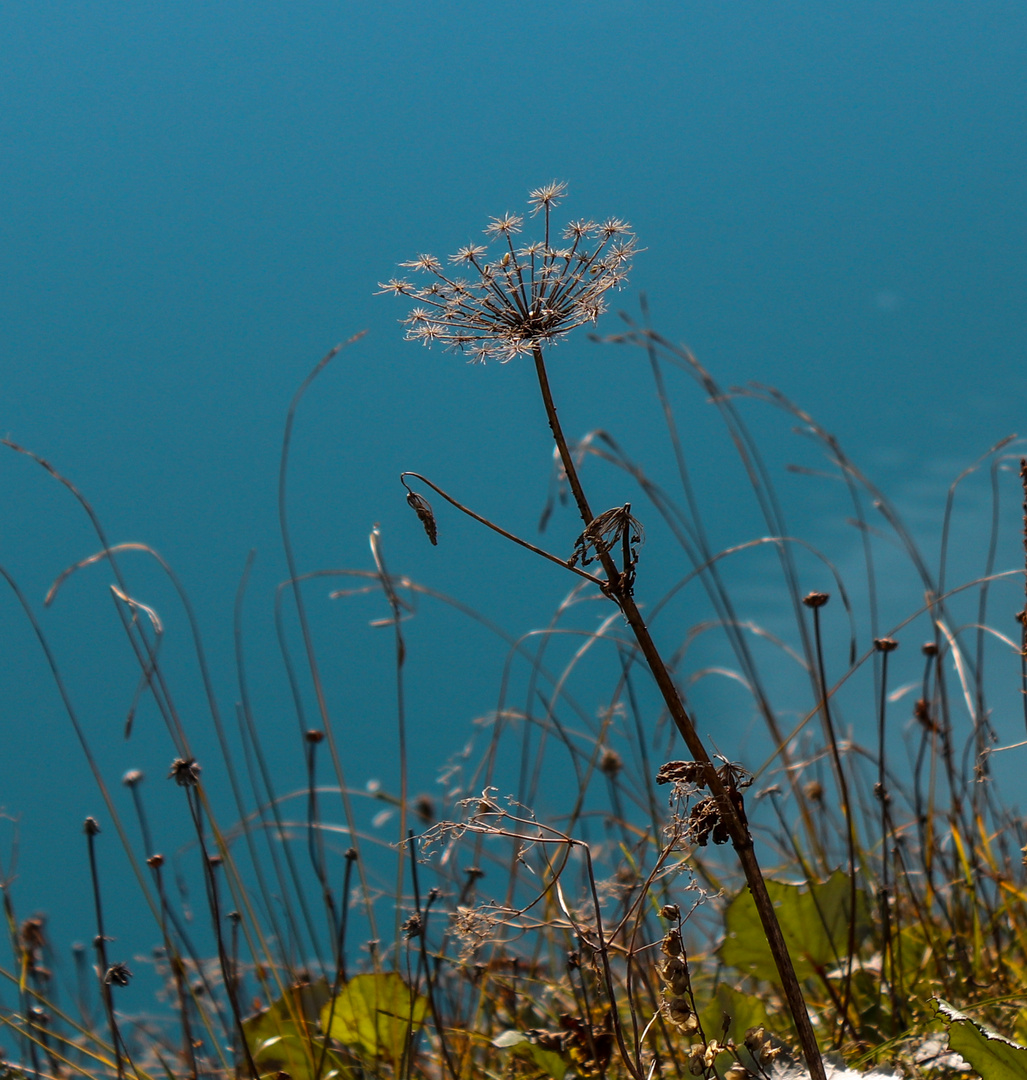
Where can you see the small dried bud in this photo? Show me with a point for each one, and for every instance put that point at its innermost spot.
(214, 860)
(421, 507)
(929, 648)
(132, 777)
(91, 826)
(314, 736)
(155, 861)
(816, 599)
(424, 807)
(885, 644)
(814, 791)
(413, 927)
(670, 911)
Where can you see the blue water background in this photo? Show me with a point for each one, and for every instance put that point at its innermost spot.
(200, 199)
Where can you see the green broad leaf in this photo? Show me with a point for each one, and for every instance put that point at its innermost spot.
(815, 919)
(549, 1062)
(376, 1013)
(993, 1056)
(745, 1010)
(285, 1037)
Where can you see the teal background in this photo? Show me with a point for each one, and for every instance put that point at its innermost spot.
(199, 200)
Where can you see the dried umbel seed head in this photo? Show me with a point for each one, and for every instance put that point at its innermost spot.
(885, 644)
(816, 599)
(518, 299)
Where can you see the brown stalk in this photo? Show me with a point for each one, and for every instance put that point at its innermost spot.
(741, 839)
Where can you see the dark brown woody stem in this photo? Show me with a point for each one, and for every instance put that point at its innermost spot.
(741, 839)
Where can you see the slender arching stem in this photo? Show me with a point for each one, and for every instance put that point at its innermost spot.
(741, 839)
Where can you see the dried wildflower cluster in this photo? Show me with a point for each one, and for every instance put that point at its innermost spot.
(521, 297)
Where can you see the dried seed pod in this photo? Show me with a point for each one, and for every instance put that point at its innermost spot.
(679, 1013)
(674, 972)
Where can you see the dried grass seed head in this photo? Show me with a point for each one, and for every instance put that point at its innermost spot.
(524, 297)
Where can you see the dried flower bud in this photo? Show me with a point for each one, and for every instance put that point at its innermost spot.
(814, 791)
(91, 826)
(132, 777)
(422, 508)
(816, 599)
(670, 911)
(314, 736)
(155, 861)
(885, 644)
(929, 648)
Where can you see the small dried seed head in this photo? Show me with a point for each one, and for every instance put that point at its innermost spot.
(185, 771)
(670, 911)
(755, 1037)
(117, 975)
(611, 762)
(155, 861)
(91, 826)
(314, 736)
(674, 971)
(816, 599)
(885, 644)
(929, 648)
(671, 945)
(679, 1013)
(132, 777)
(814, 791)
